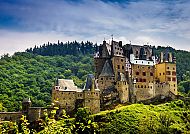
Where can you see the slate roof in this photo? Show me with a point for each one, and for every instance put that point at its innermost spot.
(88, 84)
(107, 69)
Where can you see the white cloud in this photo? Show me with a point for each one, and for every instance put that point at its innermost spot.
(156, 22)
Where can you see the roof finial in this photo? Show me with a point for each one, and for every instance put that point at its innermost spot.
(104, 38)
(112, 37)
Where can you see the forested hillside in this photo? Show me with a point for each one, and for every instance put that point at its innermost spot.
(28, 75)
(32, 73)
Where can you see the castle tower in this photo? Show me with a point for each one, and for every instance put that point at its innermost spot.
(91, 95)
(106, 78)
(166, 71)
(26, 104)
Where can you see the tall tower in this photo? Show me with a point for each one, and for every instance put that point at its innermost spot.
(166, 71)
(91, 95)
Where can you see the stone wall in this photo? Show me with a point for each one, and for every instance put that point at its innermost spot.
(123, 89)
(10, 116)
(92, 101)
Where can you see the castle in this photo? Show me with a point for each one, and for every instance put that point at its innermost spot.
(132, 73)
(123, 73)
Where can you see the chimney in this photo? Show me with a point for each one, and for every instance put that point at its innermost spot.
(120, 43)
(161, 57)
(170, 57)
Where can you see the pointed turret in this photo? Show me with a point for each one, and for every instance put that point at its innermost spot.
(107, 70)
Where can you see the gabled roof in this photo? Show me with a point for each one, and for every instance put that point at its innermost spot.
(67, 85)
(107, 69)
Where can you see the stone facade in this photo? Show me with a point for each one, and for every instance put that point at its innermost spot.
(69, 97)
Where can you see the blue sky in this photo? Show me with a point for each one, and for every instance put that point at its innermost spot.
(26, 23)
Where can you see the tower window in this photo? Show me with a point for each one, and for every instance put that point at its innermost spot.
(168, 72)
(118, 66)
(174, 73)
(151, 74)
(168, 68)
(169, 79)
(160, 74)
(173, 68)
(122, 67)
(137, 73)
(121, 60)
(173, 79)
(144, 73)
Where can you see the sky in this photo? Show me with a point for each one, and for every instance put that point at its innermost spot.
(26, 23)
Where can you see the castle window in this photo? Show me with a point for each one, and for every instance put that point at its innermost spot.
(121, 60)
(168, 68)
(168, 72)
(169, 79)
(160, 74)
(122, 67)
(118, 66)
(173, 68)
(151, 74)
(144, 73)
(163, 73)
(137, 73)
(101, 78)
(145, 86)
(144, 80)
(173, 79)
(141, 86)
(174, 73)
(148, 67)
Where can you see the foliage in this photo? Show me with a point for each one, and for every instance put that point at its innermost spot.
(26, 75)
(168, 118)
